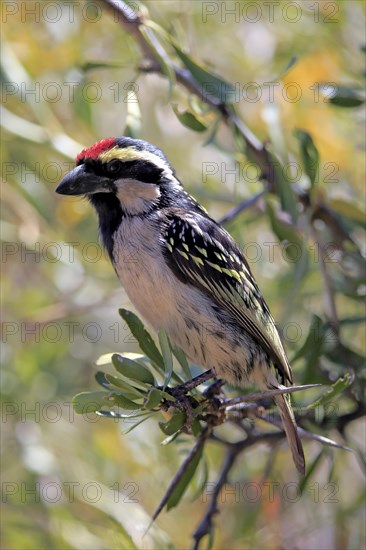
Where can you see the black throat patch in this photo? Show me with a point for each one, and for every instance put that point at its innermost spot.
(110, 215)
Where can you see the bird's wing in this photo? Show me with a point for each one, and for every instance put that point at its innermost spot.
(203, 254)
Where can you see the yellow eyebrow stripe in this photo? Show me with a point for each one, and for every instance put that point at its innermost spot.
(131, 153)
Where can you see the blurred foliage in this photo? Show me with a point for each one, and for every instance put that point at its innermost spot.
(72, 74)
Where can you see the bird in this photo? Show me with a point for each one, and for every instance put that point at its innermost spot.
(182, 270)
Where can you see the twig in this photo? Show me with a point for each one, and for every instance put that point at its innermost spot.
(234, 449)
(182, 470)
(270, 393)
(131, 22)
(247, 203)
(254, 148)
(206, 524)
(196, 381)
(308, 435)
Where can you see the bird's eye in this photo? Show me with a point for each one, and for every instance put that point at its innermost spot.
(114, 167)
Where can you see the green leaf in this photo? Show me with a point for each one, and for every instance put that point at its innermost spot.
(154, 399)
(352, 320)
(182, 360)
(310, 470)
(159, 52)
(345, 96)
(289, 65)
(121, 401)
(196, 426)
(284, 72)
(318, 339)
(284, 188)
(348, 208)
(309, 155)
(104, 359)
(338, 387)
(133, 115)
(167, 356)
(189, 120)
(144, 339)
(173, 425)
(202, 480)
(295, 247)
(93, 65)
(212, 132)
(125, 432)
(169, 439)
(183, 483)
(132, 369)
(211, 86)
(101, 379)
(127, 390)
(87, 402)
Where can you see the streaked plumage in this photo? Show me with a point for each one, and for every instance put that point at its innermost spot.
(182, 271)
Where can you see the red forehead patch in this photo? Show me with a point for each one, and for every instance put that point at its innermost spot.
(94, 151)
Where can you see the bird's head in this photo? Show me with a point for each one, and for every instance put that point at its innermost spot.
(129, 174)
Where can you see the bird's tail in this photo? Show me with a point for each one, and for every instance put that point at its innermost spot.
(289, 424)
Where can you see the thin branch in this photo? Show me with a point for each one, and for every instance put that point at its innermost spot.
(132, 22)
(247, 203)
(182, 470)
(196, 381)
(206, 524)
(308, 435)
(265, 394)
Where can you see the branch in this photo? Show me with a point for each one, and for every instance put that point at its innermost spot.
(205, 526)
(270, 393)
(133, 23)
(182, 470)
(247, 203)
(196, 381)
(308, 435)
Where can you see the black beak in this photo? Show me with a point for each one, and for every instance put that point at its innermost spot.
(81, 182)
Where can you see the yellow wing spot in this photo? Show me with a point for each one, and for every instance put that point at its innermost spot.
(218, 255)
(236, 275)
(215, 266)
(231, 273)
(197, 260)
(186, 246)
(203, 251)
(169, 247)
(171, 241)
(184, 254)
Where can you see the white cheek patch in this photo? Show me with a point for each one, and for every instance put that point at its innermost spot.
(136, 196)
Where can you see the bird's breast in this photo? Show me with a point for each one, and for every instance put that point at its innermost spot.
(185, 313)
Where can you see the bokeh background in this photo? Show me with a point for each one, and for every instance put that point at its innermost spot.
(69, 78)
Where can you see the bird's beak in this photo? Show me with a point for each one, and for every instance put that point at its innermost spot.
(81, 182)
